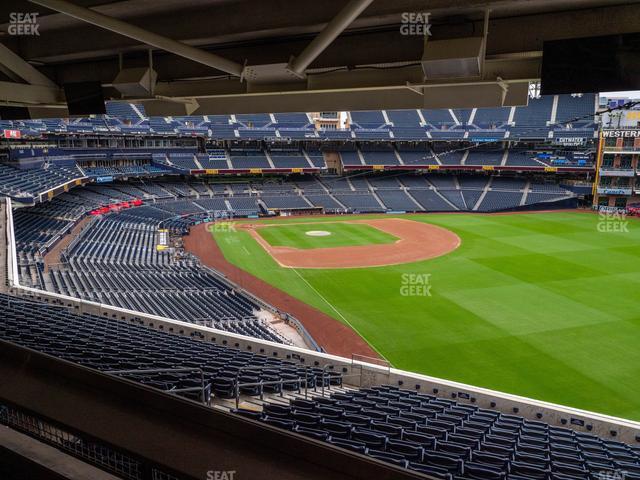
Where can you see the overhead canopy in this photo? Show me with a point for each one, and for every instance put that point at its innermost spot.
(245, 56)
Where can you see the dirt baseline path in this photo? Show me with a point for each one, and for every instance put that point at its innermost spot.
(417, 241)
(334, 336)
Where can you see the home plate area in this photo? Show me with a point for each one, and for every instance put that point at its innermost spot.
(415, 241)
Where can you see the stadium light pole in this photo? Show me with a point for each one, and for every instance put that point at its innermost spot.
(335, 27)
(123, 28)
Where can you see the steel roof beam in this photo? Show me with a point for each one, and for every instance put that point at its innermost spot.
(142, 35)
(334, 28)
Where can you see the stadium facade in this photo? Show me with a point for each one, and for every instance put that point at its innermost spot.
(617, 186)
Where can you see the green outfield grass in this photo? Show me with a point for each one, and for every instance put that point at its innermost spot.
(541, 305)
(342, 234)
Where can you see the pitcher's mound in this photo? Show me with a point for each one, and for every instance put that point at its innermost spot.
(318, 233)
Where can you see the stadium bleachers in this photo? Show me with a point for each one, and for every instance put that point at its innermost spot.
(491, 117)
(404, 118)
(431, 201)
(115, 261)
(447, 439)
(289, 160)
(440, 437)
(531, 121)
(454, 197)
(507, 183)
(291, 120)
(384, 182)
(438, 118)
(462, 115)
(416, 156)
(316, 157)
(380, 156)
(249, 159)
(571, 107)
(350, 157)
(244, 205)
(30, 183)
(414, 181)
(125, 110)
(107, 344)
(359, 202)
(450, 157)
(484, 157)
(522, 158)
(443, 182)
(326, 201)
(285, 202)
(258, 121)
(368, 119)
(397, 200)
(206, 197)
(406, 125)
(536, 113)
(495, 201)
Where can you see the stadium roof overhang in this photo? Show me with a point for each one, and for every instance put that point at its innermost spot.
(246, 56)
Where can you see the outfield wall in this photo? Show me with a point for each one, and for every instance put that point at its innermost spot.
(357, 373)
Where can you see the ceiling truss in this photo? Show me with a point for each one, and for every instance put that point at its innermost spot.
(355, 58)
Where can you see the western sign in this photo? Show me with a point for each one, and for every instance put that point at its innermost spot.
(621, 133)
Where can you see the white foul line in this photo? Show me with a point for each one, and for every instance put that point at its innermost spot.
(339, 314)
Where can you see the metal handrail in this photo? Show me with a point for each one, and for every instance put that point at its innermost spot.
(261, 384)
(342, 375)
(324, 371)
(283, 382)
(239, 372)
(17, 301)
(205, 400)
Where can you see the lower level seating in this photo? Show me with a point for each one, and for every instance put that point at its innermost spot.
(431, 201)
(449, 440)
(494, 201)
(112, 345)
(325, 201)
(115, 262)
(398, 200)
(359, 202)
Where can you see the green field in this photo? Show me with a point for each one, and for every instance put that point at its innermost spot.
(540, 305)
(342, 234)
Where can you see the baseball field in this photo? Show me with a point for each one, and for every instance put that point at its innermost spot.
(545, 305)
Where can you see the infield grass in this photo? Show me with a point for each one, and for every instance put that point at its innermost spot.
(341, 234)
(542, 305)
